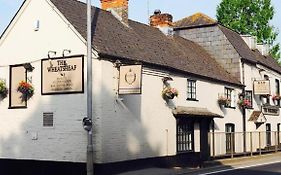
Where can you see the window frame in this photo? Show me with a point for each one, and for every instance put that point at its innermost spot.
(186, 144)
(250, 99)
(277, 90)
(191, 85)
(10, 86)
(228, 95)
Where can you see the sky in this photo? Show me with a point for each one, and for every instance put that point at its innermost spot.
(140, 10)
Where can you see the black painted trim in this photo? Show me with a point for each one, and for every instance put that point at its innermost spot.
(10, 86)
(192, 99)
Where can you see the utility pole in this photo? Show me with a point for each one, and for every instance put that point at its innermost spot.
(90, 161)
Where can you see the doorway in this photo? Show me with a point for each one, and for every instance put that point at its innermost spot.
(230, 138)
(268, 134)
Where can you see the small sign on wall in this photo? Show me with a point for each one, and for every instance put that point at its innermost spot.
(63, 75)
(130, 79)
(262, 87)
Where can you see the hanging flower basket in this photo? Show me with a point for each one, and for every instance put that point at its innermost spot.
(169, 93)
(223, 100)
(244, 103)
(3, 89)
(276, 97)
(26, 89)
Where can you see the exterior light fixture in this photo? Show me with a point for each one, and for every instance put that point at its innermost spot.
(51, 52)
(28, 67)
(117, 63)
(65, 50)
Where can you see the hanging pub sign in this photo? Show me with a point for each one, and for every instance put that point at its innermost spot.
(62, 75)
(261, 87)
(130, 78)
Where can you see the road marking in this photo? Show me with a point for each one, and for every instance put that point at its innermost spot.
(243, 167)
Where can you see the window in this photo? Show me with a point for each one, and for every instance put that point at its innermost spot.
(185, 136)
(277, 91)
(228, 94)
(266, 77)
(249, 96)
(191, 90)
(230, 137)
(17, 74)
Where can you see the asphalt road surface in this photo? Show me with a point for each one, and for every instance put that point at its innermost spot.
(264, 169)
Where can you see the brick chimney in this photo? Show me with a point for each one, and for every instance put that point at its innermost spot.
(163, 21)
(117, 7)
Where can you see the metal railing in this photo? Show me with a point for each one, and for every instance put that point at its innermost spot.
(243, 143)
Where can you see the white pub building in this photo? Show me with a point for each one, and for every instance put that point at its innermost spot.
(162, 94)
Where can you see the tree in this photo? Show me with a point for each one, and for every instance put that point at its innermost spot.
(250, 17)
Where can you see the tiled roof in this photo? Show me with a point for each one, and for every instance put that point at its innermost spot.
(255, 115)
(267, 61)
(140, 42)
(194, 112)
(239, 44)
(253, 56)
(198, 19)
(246, 53)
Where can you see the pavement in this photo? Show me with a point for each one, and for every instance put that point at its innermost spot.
(211, 166)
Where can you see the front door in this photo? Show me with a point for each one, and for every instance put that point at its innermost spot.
(230, 138)
(268, 134)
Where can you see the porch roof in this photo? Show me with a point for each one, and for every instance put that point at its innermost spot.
(195, 112)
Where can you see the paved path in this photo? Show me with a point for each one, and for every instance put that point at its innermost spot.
(264, 169)
(223, 167)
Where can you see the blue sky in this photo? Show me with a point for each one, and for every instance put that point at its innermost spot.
(139, 9)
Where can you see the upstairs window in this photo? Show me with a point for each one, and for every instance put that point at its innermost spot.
(249, 97)
(17, 74)
(229, 94)
(191, 90)
(266, 77)
(277, 91)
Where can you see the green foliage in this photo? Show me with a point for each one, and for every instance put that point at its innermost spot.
(250, 17)
(3, 89)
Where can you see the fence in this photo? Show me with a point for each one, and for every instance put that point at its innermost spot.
(243, 143)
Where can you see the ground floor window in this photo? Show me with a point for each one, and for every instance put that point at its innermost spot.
(185, 136)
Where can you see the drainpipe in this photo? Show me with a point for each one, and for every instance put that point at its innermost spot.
(244, 110)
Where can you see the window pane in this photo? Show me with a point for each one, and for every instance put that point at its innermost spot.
(184, 137)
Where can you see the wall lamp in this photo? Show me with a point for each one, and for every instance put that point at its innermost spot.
(65, 50)
(28, 67)
(117, 63)
(51, 52)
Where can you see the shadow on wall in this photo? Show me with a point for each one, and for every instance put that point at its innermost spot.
(124, 133)
(30, 141)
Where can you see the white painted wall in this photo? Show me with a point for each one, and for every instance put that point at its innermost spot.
(142, 126)
(67, 140)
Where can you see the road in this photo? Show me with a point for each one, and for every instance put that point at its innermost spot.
(273, 168)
